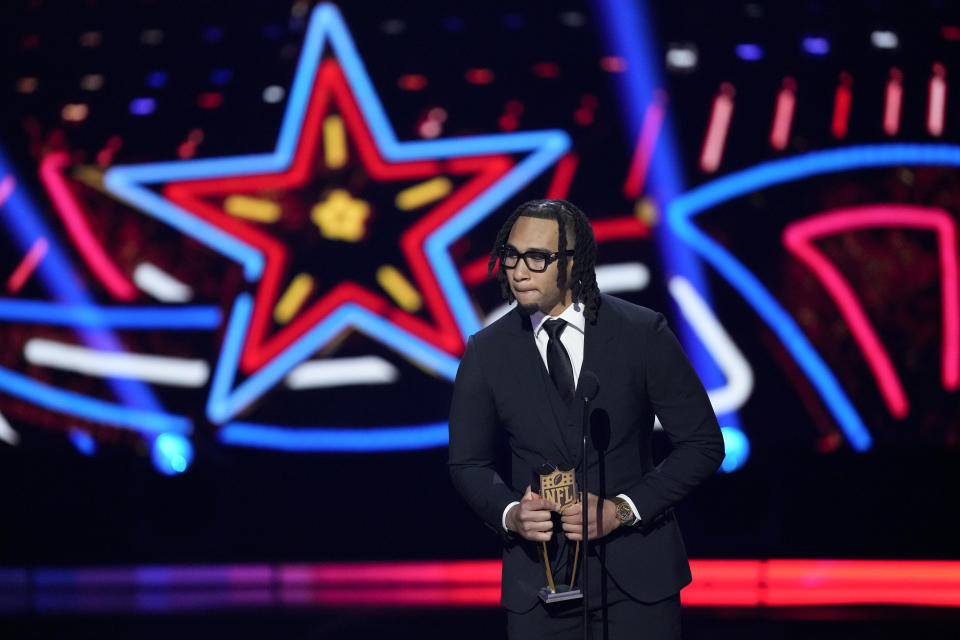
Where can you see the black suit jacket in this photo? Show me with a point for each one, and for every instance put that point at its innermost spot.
(502, 387)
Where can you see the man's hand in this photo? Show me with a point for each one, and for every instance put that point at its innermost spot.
(531, 518)
(601, 519)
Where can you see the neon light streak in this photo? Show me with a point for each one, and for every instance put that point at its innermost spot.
(90, 176)
(7, 185)
(853, 582)
(178, 372)
(399, 288)
(937, 100)
(475, 272)
(682, 210)
(816, 46)
(624, 228)
(24, 224)
(749, 51)
(424, 193)
(716, 136)
(75, 112)
(293, 298)
(342, 372)
(143, 106)
(627, 276)
(81, 406)
(7, 433)
(224, 402)
(798, 239)
(256, 209)
(783, 114)
(412, 82)
(842, 98)
(546, 69)
(26, 267)
(105, 155)
(171, 453)
(736, 369)
(210, 100)
(883, 39)
(646, 143)
(334, 142)
(479, 76)
(563, 176)
(160, 284)
(91, 251)
(736, 449)
(333, 439)
(616, 64)
(83, 441)
(90, 316)
(458, 583)
(629, 31)
(893, 102)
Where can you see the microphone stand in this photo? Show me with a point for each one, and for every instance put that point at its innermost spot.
(585, 511)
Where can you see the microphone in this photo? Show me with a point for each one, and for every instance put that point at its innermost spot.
(589, 386)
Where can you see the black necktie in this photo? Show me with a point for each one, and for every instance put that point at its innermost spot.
(558, 361)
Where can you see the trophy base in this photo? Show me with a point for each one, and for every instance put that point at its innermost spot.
(562, 593)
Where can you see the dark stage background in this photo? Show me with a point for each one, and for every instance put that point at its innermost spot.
(244, 243)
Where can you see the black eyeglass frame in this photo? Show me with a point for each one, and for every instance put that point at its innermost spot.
(547, 260)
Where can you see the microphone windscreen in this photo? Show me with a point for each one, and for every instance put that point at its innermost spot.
(589, 385)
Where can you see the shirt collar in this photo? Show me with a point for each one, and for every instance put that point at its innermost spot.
(572, 314)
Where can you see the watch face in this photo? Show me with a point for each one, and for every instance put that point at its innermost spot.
(624, 512)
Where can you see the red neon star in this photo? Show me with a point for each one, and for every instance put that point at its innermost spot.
(330, 86)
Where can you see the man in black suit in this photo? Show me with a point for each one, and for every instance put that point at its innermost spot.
(517, 379)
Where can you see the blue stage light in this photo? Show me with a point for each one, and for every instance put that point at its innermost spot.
(748, 51)
(83, 441)
(737, 448)
(171, 454)
(221, 77)
(143, 106)
(157, 79)
(816, 46)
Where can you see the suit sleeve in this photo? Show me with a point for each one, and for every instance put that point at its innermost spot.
(474, 430)
(680, 401)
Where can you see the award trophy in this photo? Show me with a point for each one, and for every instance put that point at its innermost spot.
(559, 486)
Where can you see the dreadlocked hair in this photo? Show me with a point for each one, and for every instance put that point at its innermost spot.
(583, 275)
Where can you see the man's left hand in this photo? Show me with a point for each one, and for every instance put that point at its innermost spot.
(601, 519)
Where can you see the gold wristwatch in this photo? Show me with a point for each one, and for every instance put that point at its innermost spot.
(624, 513)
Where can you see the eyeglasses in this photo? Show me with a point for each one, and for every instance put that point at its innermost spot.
(535, 259)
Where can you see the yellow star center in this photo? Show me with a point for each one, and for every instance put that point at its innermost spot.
(341, 216)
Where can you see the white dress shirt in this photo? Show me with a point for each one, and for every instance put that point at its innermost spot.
(572, 340)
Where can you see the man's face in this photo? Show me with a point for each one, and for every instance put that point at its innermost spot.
(538, 291)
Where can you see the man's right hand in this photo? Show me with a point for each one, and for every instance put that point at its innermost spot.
(531, 518)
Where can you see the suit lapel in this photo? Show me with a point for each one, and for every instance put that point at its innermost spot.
(531, 375)
(598, 339)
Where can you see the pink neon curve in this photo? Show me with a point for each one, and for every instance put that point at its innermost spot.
(783, 114)
(798, 238)
(27, 266)
(715, 138)
(90, 249)
(646, 143)
(7, 185)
